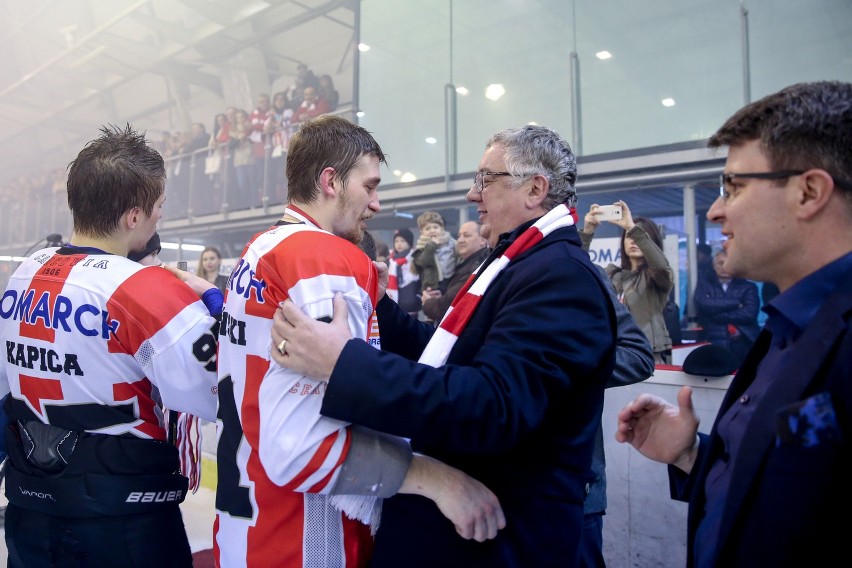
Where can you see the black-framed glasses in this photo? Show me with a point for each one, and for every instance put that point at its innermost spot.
(479, 179)
(728, 179)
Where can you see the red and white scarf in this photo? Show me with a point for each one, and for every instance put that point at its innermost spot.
(399, 267)
(466, 301)
(185, 434)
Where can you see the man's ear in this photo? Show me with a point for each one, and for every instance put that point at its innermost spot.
(537, 192)
(816, 188)
(329, 182)
(132, 217)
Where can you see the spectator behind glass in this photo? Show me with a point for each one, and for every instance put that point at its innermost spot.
(472, 251)
(277, 131)
(240, 193)
(511, 388)
(727, 309)
(382, 251)
(312, 106)
(644, 279)
(328, 93)
(764, 486)
(703, 259)
(404, 283)
(208, 267)
(221, 131)
(434, 256)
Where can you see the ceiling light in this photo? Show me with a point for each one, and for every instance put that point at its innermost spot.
(603, 55)
(669, 102)
(431, 140)
(175, 246)
(363, 47)
(494, 91)
(407, 177)
(462, 91)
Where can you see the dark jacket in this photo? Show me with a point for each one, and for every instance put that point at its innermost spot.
(435, 308)
(634, 362)
(516, 406)
(716, 308)
(786, 490)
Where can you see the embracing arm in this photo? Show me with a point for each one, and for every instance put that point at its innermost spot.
(525, 352)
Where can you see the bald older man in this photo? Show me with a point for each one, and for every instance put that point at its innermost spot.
(472, 250)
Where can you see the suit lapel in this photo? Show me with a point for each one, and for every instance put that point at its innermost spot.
(810, 352)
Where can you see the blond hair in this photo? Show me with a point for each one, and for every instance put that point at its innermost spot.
(429, 217)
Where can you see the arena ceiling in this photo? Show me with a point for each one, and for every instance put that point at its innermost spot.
(72, 65)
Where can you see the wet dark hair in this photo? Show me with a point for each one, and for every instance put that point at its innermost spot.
(327, 141)
(110, 176)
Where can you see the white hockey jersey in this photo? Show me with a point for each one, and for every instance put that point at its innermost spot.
(97, 342)
(277, 457)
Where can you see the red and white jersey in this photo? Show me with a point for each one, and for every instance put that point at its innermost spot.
(96, 342)
(277, 457)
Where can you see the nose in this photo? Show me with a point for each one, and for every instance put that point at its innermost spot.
(473, 194)
(714, 214)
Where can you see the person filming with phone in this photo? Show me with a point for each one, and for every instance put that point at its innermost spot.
(644, 278)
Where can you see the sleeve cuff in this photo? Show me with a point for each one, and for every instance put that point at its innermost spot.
(376, 464)
(214, 300)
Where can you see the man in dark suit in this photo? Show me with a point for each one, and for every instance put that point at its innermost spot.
(509, 388)
(766, 485)
(727, 308)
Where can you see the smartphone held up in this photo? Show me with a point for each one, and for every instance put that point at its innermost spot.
(609, 212)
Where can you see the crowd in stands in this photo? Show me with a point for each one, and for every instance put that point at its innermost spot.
(239, 164)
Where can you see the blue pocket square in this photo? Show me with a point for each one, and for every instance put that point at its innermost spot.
(808, 423)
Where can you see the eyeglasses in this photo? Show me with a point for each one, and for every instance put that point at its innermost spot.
(726, 180)
(479, 179)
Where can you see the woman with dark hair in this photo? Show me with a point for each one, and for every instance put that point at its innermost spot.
(644, 278)
(328, 92)
(208, 267)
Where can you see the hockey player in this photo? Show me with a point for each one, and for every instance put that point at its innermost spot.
(91, 356)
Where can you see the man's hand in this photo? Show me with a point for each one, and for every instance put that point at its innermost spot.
(382, 269)
(310, 347)
(468, 504)
(428, 294)
(198, 284)
(661, 431)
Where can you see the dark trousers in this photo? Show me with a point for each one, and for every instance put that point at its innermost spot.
(591, 544)
(37, 540)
